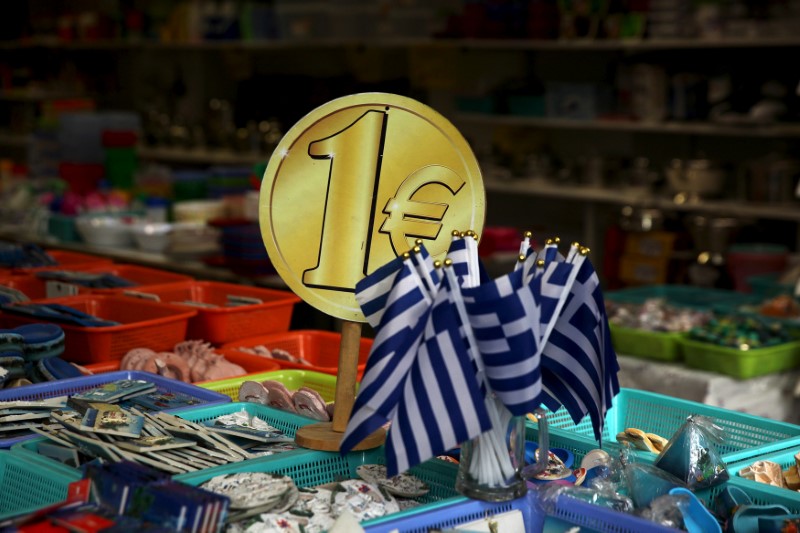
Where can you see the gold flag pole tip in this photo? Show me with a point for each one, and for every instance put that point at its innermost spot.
(584, 250)
(456, 233)
(528, 234)
(521, 258)
(540, 263)
(448, 262)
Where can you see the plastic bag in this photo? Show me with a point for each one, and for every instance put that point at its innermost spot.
(665, 510)
(549, 494)
(691, 454)
(645, 481)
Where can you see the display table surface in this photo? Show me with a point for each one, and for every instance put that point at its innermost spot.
(771, 396)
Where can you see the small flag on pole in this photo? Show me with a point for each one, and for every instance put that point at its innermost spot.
(372, 292)
(442, 404)
(395, 346)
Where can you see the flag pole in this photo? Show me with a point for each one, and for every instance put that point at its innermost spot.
(327, 436)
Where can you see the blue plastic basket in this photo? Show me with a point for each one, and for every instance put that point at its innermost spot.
(748, 436)
(28, 484)
(65, 387)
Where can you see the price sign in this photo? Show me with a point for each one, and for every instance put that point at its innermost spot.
(354, 183)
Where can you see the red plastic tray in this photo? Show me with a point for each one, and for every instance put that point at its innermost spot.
(153, 325)
(321, 348)
(222, 324)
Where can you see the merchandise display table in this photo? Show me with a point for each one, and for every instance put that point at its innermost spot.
(771, 396)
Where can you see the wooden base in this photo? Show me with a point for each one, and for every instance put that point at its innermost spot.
(322, 437)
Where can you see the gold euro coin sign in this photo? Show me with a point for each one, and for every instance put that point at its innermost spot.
(354, 183)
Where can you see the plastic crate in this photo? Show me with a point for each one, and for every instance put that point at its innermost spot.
(67, 259)
(312, 468)
(142, 277)
(66, 387)
(286, 422)
(253, 364)
(769, 285)
(761, 492)
(320, 348)
(324, 384)
(143, 324)
(678, 295)
(741, 364)
(748, 436)
(662, 346)
(222, 324)
(29, 484)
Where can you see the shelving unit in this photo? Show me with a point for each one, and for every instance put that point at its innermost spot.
(199, 156)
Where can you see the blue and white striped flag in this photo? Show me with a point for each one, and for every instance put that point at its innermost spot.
(504, 316)
(393, 351)
(579, 366)
(372, 292)
(427, 272)
(442, 404)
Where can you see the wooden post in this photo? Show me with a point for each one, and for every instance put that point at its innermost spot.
(327, 436)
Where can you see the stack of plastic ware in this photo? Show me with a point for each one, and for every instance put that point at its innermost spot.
(243, 247)
(324, 384)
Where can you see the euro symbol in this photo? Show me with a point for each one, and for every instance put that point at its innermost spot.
(408, 218)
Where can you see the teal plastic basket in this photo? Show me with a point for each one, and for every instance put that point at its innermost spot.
(771, 494)
(679, 296)
(312, 468)
(29, 484)
(286, 422)
(748, 436)
(769, 285)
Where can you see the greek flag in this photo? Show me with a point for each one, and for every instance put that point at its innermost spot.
(579, 366)
(442, 404)
(393, 351)
(423, 262)
(504, 316)
(372, 292)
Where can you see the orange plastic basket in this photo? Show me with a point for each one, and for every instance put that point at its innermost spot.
(218, 325)
(35, 288)
(253, 364)
(145, 324)
(320, 348)
(69, 260)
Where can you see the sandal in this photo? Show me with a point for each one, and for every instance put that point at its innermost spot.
(640, 439)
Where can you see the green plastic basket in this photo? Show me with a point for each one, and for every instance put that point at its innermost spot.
(289, 423)
(748, 436)
(312, 468)
(29, 484)
(741, 364)
(663, 346)
(770, 494)
(325, 384)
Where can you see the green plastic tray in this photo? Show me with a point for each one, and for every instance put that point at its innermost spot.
(771, 494)
(663, 346)
(29, 483)
(286, 422)
(748, 436)
(325, 384)
(741, 364)
(312, 468)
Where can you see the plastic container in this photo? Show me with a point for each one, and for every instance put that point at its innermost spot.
(741, 364)
(36, 288)
(253, 364)
(66, 259)
(313, 468)
(324, 384)
(287, 422)
(761, 492)
(748, 436)
(143, 324)
(769, 285)
(747, 260)
(678, 295)
(320, 348)
(30, 484)
(222, 324)
(661, 346)
(65, 387)
(121, 160)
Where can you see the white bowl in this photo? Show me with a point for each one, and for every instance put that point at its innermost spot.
(152, 236)
(104, 230)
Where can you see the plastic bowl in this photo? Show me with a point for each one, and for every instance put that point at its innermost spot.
(105, 231)
(152, 237)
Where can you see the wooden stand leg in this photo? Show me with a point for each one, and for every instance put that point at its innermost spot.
(327, 436)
